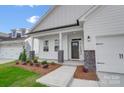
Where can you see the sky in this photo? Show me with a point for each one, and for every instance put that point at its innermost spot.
(19, 16)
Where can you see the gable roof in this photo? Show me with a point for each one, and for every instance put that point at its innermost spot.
(60, 16)
(43, 17)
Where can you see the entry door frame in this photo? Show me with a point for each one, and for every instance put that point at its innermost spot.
(77, 41)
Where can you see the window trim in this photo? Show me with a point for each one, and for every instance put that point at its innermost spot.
(46, 46)
(56, 45)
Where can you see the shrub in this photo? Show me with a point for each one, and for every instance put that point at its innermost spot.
(23, 55)
(28, 60)
(52, 63)
(20, 56)
(17, 62)
(35, 60)
(31, 63)
(44, 62)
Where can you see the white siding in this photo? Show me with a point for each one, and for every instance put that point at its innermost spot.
(62, 15)
(107, 20)
(51, 54)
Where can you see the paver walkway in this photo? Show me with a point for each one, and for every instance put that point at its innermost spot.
(60, 77)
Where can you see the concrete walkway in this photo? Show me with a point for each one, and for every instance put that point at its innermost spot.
(60, 77)
(3, 61)
(83, 83)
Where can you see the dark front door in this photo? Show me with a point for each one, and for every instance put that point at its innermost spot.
(75, 50)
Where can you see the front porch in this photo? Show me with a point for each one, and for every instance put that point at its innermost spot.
(65, 46)
(66, 62)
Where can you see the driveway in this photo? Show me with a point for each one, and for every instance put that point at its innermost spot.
(3, 61)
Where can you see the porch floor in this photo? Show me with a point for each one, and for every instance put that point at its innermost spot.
(73, 63)
(66, 62)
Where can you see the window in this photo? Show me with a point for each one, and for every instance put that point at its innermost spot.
(14, 32)
(56, 48)
(23, 33)
(46, 47)
(18, 34)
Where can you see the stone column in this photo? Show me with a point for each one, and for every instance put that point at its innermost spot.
(89, 60)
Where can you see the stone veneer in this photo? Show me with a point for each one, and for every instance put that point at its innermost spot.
(60, 56)
(90, 61)
(32, 54)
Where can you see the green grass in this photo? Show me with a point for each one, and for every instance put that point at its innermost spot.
(11, 76)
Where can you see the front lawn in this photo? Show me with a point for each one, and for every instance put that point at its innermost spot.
(17, 77)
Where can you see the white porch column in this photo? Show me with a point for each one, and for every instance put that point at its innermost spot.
(60, 52)
(60, 41)
(32, 43)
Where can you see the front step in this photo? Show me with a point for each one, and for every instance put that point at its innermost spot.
(60, 77)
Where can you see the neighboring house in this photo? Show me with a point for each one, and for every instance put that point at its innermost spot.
(3, 35)
(11, 45)
(93, 34)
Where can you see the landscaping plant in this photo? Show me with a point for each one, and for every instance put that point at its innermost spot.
(36, 62)
(52, 63)
(17, 62)
(45, 64)
(23, 56)
(28, 60)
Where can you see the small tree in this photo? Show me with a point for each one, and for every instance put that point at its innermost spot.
(23, 55)
(20, 56)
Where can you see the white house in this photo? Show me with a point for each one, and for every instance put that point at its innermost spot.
(90, 34)
(11, 45)
(93, 34)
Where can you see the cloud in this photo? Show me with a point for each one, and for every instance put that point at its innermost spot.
(33, 19)
(31, 6)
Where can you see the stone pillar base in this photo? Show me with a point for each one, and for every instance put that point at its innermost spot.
(89, 60)
(60, 56)
(32, 55)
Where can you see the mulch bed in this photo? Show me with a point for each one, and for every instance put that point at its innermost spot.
(39, 70)
(90, 75)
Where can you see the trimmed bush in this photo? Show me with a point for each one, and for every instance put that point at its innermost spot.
(23, 55)
(31, 63)
(53, 63)
(44, 62)
(28, 60)
(20, 56)
(35, 60)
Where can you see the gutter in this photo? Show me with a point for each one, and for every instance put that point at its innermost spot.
(54, 28)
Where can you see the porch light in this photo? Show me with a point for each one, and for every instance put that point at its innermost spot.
(88, 38)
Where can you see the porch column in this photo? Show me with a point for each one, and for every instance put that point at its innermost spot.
(32, 52)
(32, 43)
(60, 52)
(60, 41)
